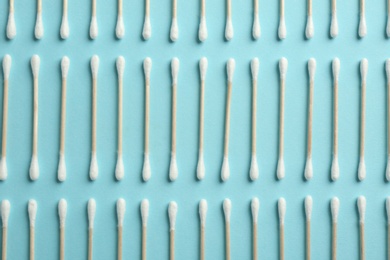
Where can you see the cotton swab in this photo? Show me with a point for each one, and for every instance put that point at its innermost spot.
(32, 214)
(120, 25)
(362, 211)
(282, 31)
(39, 23)
(255, 205)
(309, 161)
(256, 31)
(227, 208)
(5, 210)
(173, 171)
(388, 119)
(308, 212)
(283, 65)
(147, 30)
(64, 30)
(202, 215)
(362, 23)
(388, 225)
(362, 165)
(144, 217)
(202, 33)
(120, 209)
(61, 165)
(93, 171)
(93, 28)
(34, 166)
(334, 208)
(309, 24)
(172, 212)
(7, 62)
(146, 171)
(11, 26)
(282, 214)
(388, 19)
(201, 171)
(62, 209)
(254, 170)
(335, 172)
(229, 32)
(174, 26)
(91, 219)
(334, 25)
(120, 66)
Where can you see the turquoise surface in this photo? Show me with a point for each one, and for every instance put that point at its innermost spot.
(187, 191)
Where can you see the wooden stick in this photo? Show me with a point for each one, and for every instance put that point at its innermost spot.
(62, 243)
(254, 230)
(335, 117)
(90, 243)
(147, 115)
(35, 118)
(93, 8)
(174, 108)
(362, 243)
(63, 117)
(120, 232)
(227, 240)
(281, 242)
(4, 244)
(5, 120)
(39, 6)
(388, 241)
(229, 9)
(11, 6)
(308, 240)
(144, 236)
(254, 114)
(227, 120)
(202, 243)
(281, 10)
(201, 116)
(334, 241)
(362, 6)
(147, 8)
(32, 243)
(310, 120)
(334, 6)
(309, 7)
(363, 119)
(94, 114)
(172, 244)
(203, 8)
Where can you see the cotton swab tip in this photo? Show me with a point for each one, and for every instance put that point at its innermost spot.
(255, 206)
(172, 212)
(120, 27)
(227, 209)
(336, 68)
(34, 168)
(120, 168)
(65, 62)
(309, 27)
(11, 26)
(388, 210)
(64, 30)
(282, 210)
(308, 207)
(256, 31)
(312, 64)
(203, 64)
(120, 65)
(61, 171)
(147, 30)
(362, 26)
(335, 171)
(283, 65)
(388, 169)
(203, 212)
(7, 62)
(200, 169)
(364, 68)
(388, 69)
(361, 208)
(334, 208)
(255, 64)
(62, 209)
(38, 31)
(35, 64)
(229, 31)
(280, 171)
(175, 65)
(230, 67)
(95, 66)
(32, 211)
(91, 208)
(146, 170)
(309, 168)
(120, 210)
(174, 34)
(362, 169)
(202, 34)
(5, 210)
(334, 26)
(254, 170)
(144, 211)
(3, 169)
(147, 67)
(282, 30)
(225, 172)
(173, 169)
(93, 29)
(93, 169)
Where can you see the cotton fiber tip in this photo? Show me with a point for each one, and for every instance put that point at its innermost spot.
(93, 29)
(309, 168)
(120, 210)
(175, 65)
(91, 212)
(120, 27)
(11, 26)
(280, 172)
(334, 26)
(387, 69)
(336, 68)
(282, 210)
(202, 34)
(229, 32)
(65, 62)
(387, 210)
(255, 64)
(174, 35)
(362, 170)
(61, 172)
(203, 64)
(120, 168)
(5, 210)
(3, 169)
(334, 208)
(388, 27)
(255, 206)
(362, 26)
(32, 211)
(282, 31)
(364, 69)
(256, 31)
(200, 169)
(361, 208)
(7, 62)
(308, 207)
(254, 170)
(203, 212)
(335, 171)
(173, 170)
(227, 209)
(94, 66)
(34, 168)
(146, 170)
(147, 30)
(144, 211)
(147, 67)
(39, 27)
(62, 209)
(225, 173)
(230, 67)
(388, 169)
(93, 169)
(283, 65)
(312, 64)
(35, 64)
(64, 30)
(120, 65)
(309, 27)
(172, 212)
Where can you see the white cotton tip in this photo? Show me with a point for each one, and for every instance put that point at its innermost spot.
(255, 64)
(202, 33)
(119, 168)
(388, 27)
(62, 209)
(225, 172)
(388, 169)
(309, 27)
(312, 64)
(203, 64)
(5, 210)
(387, 67)
(32, 211)
(120, 66)
(174, 34)
(203, 212)
(227, 209)
(335, 171)
(120, 211)
(147, 67)
(94, 66)
(387, 210)
(34, 168)
(334, 208)
(282, 31)
(65, 62)
(61, 172)
(173, 170)
(336, 68)
(3, 169)
(256, 31)
(364, 69)
(93, 168)
(200, 169)
(282, 210)
(175, 65)
(39, 27)
(35, 64)
(93, 28)
(334, 26)
(283, 65)
(146, 170)
(229, 32)
(11, 26)
(280, 171)
(230, 67)
(172, 212)
(7, 62)
(308, 207)
(362, 169)
(255, 206)
(361, 208)
(91, 209)
(147, 30)
(64, 30)
(362, 26)
(309, 168)
(120, 27)
(144, 212)
(254, 170)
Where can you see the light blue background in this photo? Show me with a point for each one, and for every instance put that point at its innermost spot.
(187, 191)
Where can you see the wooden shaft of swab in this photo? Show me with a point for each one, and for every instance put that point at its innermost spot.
(334, 241)
(388, 118)
(227, 120)
(147, 7)
(254, 241)
(174, 96)
(120, 4)
(309, 7)
(94, 108)
(120, 232)
(5, 119)
(35, 118)
(281, 242)
(362, 6)
(11, 6)
(32, 243)
(310, 120)
(203, 8)
(335, 118)
(281, 118)
(93, 7)
(334, 6)
(4, 244)
(388, 241)
(254, 110)
(65, 7)
(147, 115)
(174, 8)
(281, 8)
(63, 117)
(144, 236)
(229, 8)
(39, 6)
(90, 243)
(308, 240)
(202, 243)
(362, 247)
(201, 116)
(227, 246)
(256, 6)
(120, 115)
(62, 243)
(172, 245)
(363, 119)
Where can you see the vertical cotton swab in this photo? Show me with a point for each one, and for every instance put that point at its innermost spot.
(32, 214)
(91, 209)
(146, 171)
(172, 212)
(34, 166)
(144, 217)
(93, 170)
(62, 209)
(255, 205)
(334, 208)
(120, 169)
(120, 209)
(61, 172)
(227, 209)
(7, 62)
(308, 212)
(283, 65)
(201, 171)
(335, 171)
(202, 216)
(254, 170)
(363, 72)
(173, 170)
(282, 214)
(362, 211)
(388, 119)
